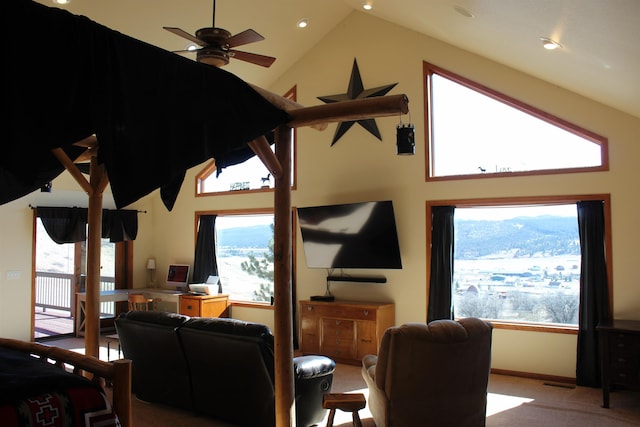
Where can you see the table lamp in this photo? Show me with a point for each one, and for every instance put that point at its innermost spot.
(151, 266)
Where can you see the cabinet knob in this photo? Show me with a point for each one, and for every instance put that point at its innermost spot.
(309, 308)
(189, 307)
(337, 322)
(366, 312)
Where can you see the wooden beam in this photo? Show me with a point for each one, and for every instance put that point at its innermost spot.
(283, 329)
(73, 170)
(261, 147)
(94, 242)
(358, 109)
(285, 104)
(89, 142)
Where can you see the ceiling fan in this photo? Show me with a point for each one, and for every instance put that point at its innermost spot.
(216, 45)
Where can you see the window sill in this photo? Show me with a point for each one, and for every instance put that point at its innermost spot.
(251, 304)
(551, 328)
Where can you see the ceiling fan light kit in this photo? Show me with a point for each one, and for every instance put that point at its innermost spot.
(217, 45)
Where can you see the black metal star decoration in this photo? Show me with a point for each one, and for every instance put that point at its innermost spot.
(356, 91)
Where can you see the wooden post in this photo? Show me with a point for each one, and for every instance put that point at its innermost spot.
(98, 181)
(283, 329)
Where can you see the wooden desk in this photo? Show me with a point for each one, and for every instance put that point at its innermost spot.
(620, 354)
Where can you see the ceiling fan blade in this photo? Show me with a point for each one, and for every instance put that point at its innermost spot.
(245, 37)
(254, 58)
(182, 33)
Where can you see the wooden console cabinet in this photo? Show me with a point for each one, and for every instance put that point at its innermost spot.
(344, 330)
(620, 347)
(204, 305)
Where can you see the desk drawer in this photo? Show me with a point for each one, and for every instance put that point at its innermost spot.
(342, 311)
(189, 307)
(338, 338)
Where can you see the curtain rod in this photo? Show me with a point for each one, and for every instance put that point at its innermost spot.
(35, 207)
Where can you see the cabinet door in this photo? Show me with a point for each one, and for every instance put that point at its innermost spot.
(309, 331)
(338, 338)
(366, 338)
(213, 307)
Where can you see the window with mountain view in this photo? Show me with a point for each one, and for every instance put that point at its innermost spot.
(517, 263)
(244, 252)
(499, 135)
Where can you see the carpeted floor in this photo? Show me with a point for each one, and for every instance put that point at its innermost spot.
(512, 401)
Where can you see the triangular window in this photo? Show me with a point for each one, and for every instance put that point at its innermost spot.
(476, 131)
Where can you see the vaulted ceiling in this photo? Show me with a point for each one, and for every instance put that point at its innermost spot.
(599, 58)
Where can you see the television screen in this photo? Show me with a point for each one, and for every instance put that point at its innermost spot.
(178, 276)
(354, 235)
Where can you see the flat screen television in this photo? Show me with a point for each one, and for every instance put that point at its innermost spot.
(354, 235)
(178, 276)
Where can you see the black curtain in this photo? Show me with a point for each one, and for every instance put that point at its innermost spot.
(594, 300)
(69, 225)
(119, 225)
(64, 225)
(440, 299)
(204, 260)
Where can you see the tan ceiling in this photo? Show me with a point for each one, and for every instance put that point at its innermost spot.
(600, 58)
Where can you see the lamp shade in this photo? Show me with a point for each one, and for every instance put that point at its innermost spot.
(151, 264)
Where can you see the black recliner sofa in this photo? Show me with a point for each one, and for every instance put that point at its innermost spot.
(222, 368)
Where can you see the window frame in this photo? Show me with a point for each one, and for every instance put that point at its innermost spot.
(528, 201)
(429, 70)
(253, 211)
(210, 168)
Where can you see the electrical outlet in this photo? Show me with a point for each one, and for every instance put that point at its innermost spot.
(13, 274)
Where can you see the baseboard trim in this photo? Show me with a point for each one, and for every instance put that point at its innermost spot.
(535, 376)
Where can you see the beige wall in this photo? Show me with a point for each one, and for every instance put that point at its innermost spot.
(359, 167)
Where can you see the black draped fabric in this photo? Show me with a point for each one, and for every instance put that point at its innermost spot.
(594, 300)
(64, 225)
(69, 225)
(119, 225)
(155, 113)
(440, 298)
(204, 260)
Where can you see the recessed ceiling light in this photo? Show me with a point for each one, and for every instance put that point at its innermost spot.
(550, 44)
(303, 23)
(367, 6)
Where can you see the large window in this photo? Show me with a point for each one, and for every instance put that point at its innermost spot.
(244, 250)
(249, 176)
(517, 262)
(499, 135)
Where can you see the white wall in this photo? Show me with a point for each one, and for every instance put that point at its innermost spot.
(359, 167)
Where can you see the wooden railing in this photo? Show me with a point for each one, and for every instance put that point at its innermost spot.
(57, 291)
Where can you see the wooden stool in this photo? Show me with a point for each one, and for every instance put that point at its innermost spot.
(348, 402)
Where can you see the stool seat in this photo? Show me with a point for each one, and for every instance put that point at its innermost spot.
(347, 402)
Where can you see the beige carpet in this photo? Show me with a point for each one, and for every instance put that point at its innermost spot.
(512, 402)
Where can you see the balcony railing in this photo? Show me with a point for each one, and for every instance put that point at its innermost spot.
(57, 291)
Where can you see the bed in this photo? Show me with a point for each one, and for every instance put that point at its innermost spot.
(43, 385)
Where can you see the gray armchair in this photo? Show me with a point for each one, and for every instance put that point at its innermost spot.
(433, 374)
